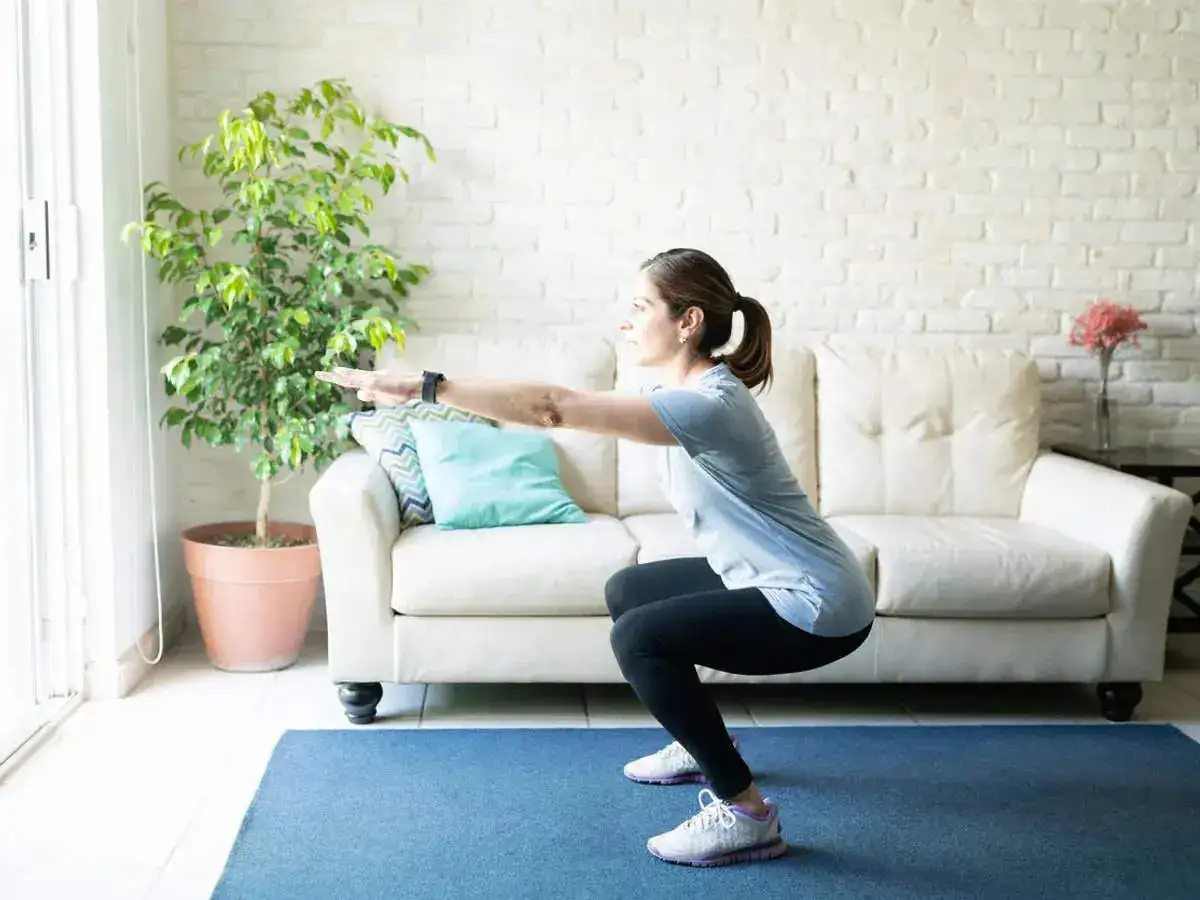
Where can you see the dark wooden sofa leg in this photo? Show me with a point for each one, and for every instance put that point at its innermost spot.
(360, 700)
(1118, 700)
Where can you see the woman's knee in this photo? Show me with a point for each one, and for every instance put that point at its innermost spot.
(628, 636)
(616, 592)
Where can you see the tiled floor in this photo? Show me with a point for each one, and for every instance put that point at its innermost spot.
(142, 797)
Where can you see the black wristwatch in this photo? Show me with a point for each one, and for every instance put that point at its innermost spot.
(429, 383)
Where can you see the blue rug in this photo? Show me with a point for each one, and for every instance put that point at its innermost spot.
(1008, 812)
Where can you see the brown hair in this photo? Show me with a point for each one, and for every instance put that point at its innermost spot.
(687, 278)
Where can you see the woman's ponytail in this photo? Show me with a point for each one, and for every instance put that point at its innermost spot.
(751, 360)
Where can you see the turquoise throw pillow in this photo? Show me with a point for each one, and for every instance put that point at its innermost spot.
(483, 477)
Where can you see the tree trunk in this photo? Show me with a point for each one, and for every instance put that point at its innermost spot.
(261, 522)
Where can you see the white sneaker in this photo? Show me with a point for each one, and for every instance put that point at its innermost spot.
(721, 834)
(670, 765)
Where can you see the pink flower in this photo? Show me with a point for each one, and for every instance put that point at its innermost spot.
(1106, 326)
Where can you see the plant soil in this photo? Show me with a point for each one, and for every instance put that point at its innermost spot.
(249, 540)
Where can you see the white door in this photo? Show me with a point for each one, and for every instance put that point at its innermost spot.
(35, 644)
(18, 606)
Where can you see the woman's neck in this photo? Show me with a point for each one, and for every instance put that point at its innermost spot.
(685, 369)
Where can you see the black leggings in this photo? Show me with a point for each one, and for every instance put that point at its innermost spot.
(669, 617)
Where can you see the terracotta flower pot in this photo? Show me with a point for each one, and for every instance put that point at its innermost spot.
(253, 604)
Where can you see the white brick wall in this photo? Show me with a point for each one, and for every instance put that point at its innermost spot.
(895, 167)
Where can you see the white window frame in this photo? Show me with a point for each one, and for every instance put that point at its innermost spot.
(19, 712)
(51, 538)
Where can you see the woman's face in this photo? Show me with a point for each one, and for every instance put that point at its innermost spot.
(650, 333)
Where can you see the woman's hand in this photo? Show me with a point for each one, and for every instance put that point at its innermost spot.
(380, 388)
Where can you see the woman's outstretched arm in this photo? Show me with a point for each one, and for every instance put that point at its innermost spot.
(518, 402)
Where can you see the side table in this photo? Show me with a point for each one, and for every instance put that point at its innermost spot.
(1164, 465)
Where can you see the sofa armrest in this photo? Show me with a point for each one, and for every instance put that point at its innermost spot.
(358, 521)
(1140, 525)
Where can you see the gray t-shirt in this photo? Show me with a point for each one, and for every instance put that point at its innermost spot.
(729, 481)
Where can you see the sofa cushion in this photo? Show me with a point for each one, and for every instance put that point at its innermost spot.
(665, 536)
(526, 570)
(587, 462)
(925, 430)
(789, 406)
(980, 567)
(660, 536)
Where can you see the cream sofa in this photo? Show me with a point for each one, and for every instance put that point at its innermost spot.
(992, 559)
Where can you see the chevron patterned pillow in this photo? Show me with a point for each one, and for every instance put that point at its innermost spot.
(385, 435)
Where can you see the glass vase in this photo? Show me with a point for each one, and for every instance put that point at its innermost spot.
(1104, 410)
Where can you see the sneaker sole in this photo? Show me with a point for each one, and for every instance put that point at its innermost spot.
(688, 778)
(770, 850)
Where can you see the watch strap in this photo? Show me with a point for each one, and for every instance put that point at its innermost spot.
(429, 383)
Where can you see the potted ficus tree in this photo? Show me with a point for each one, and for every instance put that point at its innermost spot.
(279, 281)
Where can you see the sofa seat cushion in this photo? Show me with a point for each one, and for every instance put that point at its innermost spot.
(519, 570)
(660, 536)
(958, 566)
(665, 536)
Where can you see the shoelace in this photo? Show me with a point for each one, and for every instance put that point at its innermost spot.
(713, 811)
(674, 749)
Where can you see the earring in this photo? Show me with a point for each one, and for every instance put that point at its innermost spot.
(683, 339)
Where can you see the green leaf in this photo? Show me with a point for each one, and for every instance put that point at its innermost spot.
(173, 335)
(177, 370)
(220, 215)
(262, 467)
(342, 344)
(174, 416)
(163, 201)
(378, 334)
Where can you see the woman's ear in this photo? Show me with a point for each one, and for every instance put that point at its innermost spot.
(693, 317)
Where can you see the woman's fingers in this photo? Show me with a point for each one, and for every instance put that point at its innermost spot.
(347, 378)
(371, 387)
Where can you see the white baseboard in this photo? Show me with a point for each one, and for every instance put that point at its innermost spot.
(112, 680)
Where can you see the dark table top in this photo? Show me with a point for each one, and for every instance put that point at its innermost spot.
(1177, 461)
